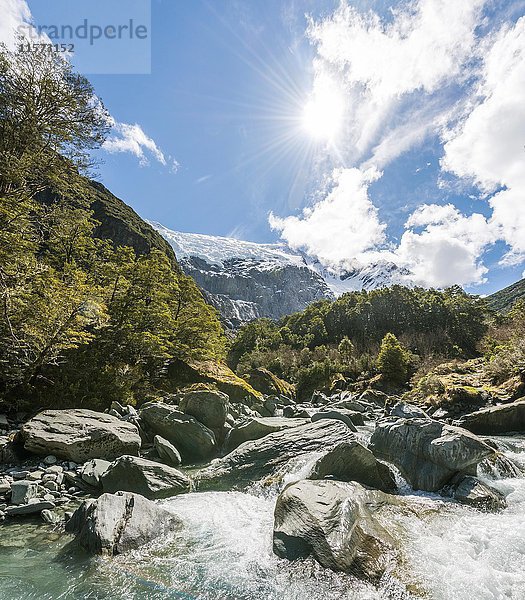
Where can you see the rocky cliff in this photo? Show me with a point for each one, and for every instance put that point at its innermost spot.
(245, 280)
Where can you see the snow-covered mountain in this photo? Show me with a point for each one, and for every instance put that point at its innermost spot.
(246, 280)
(363, 277)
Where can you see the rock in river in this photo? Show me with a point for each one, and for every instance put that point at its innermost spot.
(495, 419)
(166, 451)
(257, 427)
(428, 453)
(351, 461)
(117, 523)
(474, 492)
(146, 477)
(194, 440)
(338, 524)
(79, 435)
(259, 458)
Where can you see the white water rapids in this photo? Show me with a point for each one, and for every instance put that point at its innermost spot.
(224, 551)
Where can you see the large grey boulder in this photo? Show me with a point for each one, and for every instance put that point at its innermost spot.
(339, 415)
(257, 459)
(476, 493)
(166, 451)
(428, 453)
(23, 491)
(79, 435)
(338, 524)
(208, 407)
(505, 418)
(351, 461)
(146, 477)
(117, 523)
(194, 440)
(257, 427)
(36, 505)
(404, 410)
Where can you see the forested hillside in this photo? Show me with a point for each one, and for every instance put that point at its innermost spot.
(343, 337)
(92, 303)
(504, 300)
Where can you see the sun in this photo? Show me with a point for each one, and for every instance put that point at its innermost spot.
(323, 114)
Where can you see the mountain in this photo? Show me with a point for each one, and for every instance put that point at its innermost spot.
(503, 300)
(247, 280)
(364, 277)
(118, 222)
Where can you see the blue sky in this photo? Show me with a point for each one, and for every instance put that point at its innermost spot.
(414, 168)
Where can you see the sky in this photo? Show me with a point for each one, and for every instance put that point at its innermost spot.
(359, 130)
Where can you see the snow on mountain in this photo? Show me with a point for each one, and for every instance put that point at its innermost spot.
(217, 250)
(247, 280)
(363, 277)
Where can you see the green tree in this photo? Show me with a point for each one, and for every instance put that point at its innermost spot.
(346, 350)
(393, 360)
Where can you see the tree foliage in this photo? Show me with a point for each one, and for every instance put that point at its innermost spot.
(82, 322)
(344, 336)
(393, 360)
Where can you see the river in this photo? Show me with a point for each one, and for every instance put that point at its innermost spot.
(224, 551)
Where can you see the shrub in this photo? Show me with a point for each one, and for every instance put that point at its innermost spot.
(393, 360)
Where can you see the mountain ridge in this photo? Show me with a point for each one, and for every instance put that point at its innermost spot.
(247, 280)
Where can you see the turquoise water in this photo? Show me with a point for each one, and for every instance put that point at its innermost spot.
(224, 552)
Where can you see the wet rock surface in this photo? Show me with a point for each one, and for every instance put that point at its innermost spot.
(117, 523)
(428, 453)
(336, 523)
(257, 459)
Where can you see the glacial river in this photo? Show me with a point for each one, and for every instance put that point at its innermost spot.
(224, 551)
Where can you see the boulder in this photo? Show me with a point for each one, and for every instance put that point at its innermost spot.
(428, 453)
(117, 523)
(92, 471)
(193, 439)
(338, 524)
(187, 372)
(146, 477)
(258, 427)
(29, 509)
(338, 415)
(374, 397)
(404, 410)
(166, 451)
(23, 491)
(79, 435)
(476, 493)
(209, 407)
(351, 461)
(268, 383)
(494, 420)
(257, 459)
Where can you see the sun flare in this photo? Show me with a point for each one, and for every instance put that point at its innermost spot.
(323, 114)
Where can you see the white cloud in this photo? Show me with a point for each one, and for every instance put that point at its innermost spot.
(385, 68)
(340, 227)
(423, 72)
(133, 139)
(489, 145)
(447, 250)
(14, 14)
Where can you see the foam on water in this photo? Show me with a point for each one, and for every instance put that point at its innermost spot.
(224, 552)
